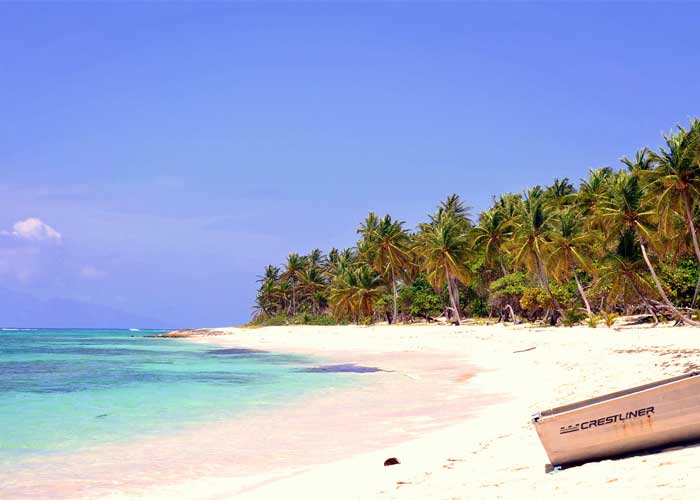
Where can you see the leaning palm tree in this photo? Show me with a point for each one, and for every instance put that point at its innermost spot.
(571, 248)
(388, 246)
(675, 179)
(627, 209)
(622, 272)
(530, 237)
(442, 248)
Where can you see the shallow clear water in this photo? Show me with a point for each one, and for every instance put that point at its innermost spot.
(62, 390)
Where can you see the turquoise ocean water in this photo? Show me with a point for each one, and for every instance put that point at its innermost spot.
(63, 390)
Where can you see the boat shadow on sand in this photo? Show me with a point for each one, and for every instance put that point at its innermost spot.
(691, 443)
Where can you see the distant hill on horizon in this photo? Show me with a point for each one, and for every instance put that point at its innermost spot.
(21, 310)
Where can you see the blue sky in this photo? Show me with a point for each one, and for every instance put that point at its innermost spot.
(177, 148)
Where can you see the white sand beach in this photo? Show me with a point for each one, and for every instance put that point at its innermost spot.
(454, 407)
(453, 404)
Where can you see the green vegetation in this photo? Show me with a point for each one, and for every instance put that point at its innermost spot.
(624, 242)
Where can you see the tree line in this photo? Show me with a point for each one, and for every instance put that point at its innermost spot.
(623, 242)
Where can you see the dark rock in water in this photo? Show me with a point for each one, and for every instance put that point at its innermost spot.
(391, 461)
(102, 416)
(346, 368)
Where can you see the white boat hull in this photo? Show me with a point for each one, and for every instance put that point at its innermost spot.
(649, 416)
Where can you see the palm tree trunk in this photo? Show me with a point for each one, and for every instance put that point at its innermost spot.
(583, 295)
(545, 281)
(665, 298)
(455, 290)
(693, 233)
(695, 294)
(453, 302)
(294, 298)
(503, 268)
(508, 307)
(393, 285)
(644, 299)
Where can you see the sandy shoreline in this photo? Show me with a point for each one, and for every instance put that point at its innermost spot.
(492, 452)
(453, 404)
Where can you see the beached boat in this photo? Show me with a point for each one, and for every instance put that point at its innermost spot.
(649, 416)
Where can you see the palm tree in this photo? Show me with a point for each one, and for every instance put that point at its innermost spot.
(622, 272)
(559, 193)
(338, 262)
(315, 258)
(642, 161)
(453, 208)
(591, 193)
(625, 210)
(266, 301)
(494, 229)
(387, 244)
(675, 179)
(442, 248)
(311, 282)
(530, 230)
(293, 268)
(617, 228)
(369, 287)
(354, 293)
(571, 248)
(341, 295)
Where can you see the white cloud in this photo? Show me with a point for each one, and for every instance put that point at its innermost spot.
(91, 272)
(35, 230)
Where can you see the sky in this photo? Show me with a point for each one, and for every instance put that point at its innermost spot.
(154, 157)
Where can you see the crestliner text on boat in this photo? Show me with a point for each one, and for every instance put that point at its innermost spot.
(611, 419)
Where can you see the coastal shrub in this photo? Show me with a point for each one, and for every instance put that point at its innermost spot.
(300, 319)
(321, 320)
(511, 286)
(419, 300)
(567, 294)
(572, 316)
(609, 319)
(680, 280)
(366, 321)
(277, 320)
(384, 306)
(472, 302)
(508, 290)
(592, 321)
(534, 302)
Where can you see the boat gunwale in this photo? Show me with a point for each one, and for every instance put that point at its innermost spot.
(561, 410)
